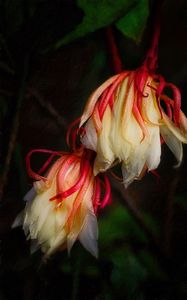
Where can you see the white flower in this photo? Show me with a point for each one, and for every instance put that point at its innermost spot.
(61, 208)
(124, 122)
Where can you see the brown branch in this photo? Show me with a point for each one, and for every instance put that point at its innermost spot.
(14, 131)
(32, 92)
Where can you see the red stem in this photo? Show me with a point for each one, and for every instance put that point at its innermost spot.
(116, 60)
(152, 55)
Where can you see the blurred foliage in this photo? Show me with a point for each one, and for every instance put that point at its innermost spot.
(130, 17)
(134, 22)
(118, 226)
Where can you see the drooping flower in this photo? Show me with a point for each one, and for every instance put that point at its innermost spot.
(61, 207)
(127, 118)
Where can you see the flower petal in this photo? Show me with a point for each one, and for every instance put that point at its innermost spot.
(89, 234)
(154, 149)
(150, 109)
(172, 142)
(177, 132)
(89, 140)
(31, 194)
(93, 99)
(105, 155)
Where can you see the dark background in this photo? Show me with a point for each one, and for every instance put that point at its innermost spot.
(143, 240)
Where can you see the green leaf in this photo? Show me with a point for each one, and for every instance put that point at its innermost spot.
(152, 265)
(98, 14)
(133, 23)
(119, 225)
(128, 273)
(151, 223)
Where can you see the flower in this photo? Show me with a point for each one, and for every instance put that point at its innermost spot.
(125, 121)
(61, 207)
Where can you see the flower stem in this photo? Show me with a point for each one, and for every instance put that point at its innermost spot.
(113, 49)
(151, 59)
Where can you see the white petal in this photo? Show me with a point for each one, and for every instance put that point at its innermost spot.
(120, 146)
(180, 135)
(89, 140)
(105, 155)
(128, 177)
(55, 243)
(133, 166)
(37, 212)
(173, 143)
(133, 169)
(94, 98)
(47, 232)
(89, 234)
(34, 246)
(31, 194)
(18, 220)
(132, 132)
(150, 108)
(79, 220)
(154, 149)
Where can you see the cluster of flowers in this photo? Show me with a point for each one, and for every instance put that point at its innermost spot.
(125, 121)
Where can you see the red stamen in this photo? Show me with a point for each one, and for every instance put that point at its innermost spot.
(97, 194)
(33, 174)
(140, 121)
(117, 64)
(111, 101)
(84, 169)
(77, 202)
(110, 92)
(46, 164)
(70, 129)
(64, 168)
(119, 178)
(107, 196)
(160, 86)
(155, 173)
(169, 111)
(102, 98)
(140, 79)
(96, 118)
(177, 102)
(140, 83)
